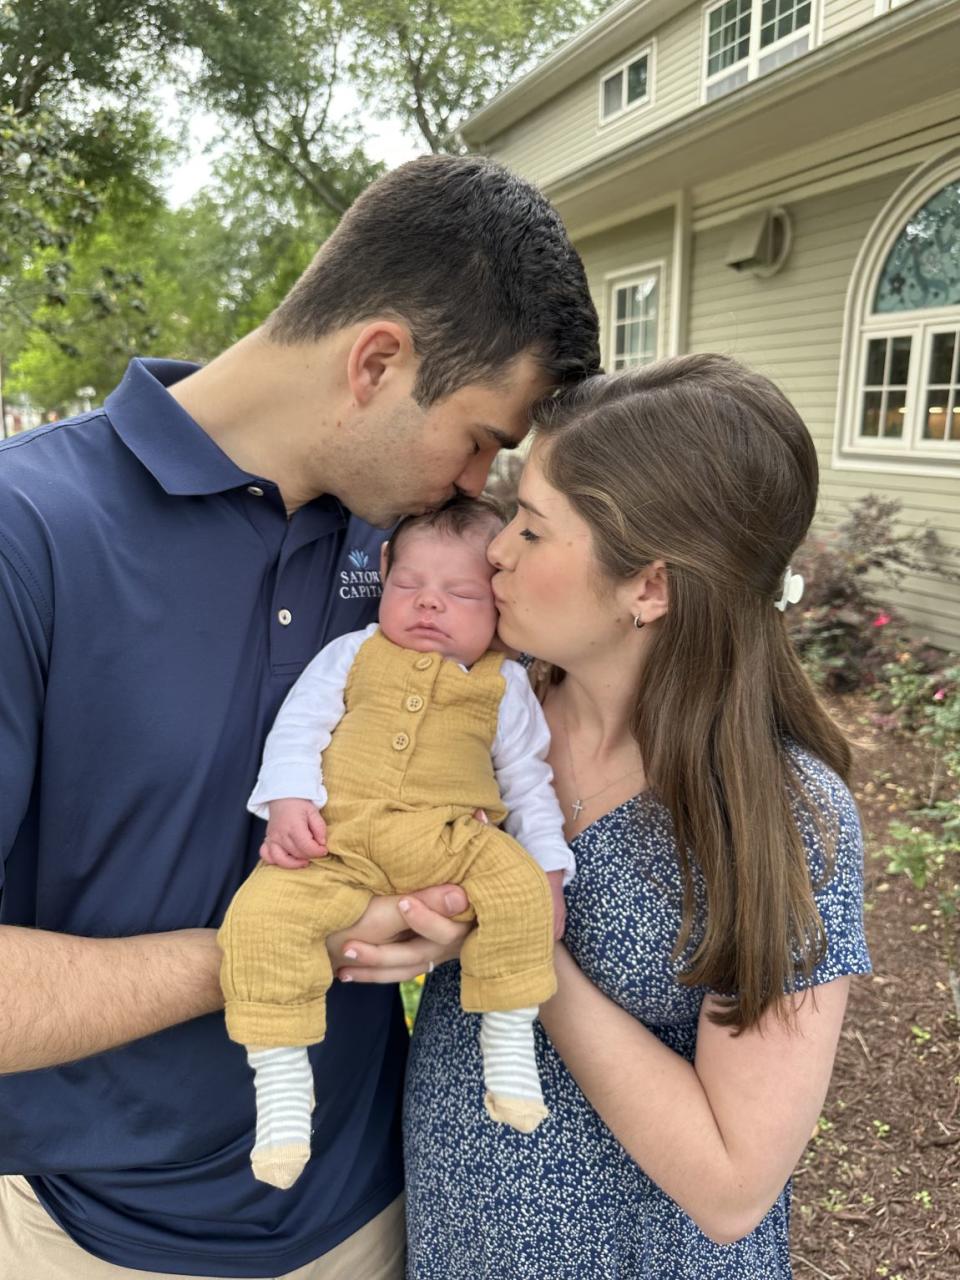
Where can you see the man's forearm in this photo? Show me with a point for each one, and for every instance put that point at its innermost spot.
(65, 997)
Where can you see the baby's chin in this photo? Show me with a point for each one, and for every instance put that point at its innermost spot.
(420, 642)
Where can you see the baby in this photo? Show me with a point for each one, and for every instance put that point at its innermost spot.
(389, 743)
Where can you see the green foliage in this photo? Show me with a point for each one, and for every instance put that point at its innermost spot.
(927, 850)
(432, 63)
(842, 633)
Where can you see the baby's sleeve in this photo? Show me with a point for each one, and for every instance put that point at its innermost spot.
(291, 765)
(525, 779)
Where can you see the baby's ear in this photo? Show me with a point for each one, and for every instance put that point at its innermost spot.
(384, 552)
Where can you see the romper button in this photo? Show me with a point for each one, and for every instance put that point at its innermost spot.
(422, 663)
(284, 617)
(414, 702)
(254, 491)
(400, 742)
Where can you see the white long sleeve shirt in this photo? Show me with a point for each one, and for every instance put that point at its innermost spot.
(292, 756)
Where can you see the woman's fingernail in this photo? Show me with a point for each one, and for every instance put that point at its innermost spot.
(452, 903)
(346, 978)
(404, 904)
(351, 954)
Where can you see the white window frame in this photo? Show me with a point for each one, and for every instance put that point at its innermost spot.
(912, 454)
(645, 51)
(624, 278)
(754, 55)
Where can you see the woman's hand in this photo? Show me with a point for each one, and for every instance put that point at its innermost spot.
(398, 937)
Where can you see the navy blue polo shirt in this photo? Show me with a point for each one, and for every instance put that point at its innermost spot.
(156, 604)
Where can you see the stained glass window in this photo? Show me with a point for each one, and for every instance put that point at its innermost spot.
(923, 267)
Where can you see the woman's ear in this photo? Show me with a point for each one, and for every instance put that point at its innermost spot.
(648, 593)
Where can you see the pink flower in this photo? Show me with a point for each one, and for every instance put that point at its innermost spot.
(882, 619)
(940, 695)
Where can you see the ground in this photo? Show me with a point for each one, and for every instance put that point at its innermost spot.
(877, 1193)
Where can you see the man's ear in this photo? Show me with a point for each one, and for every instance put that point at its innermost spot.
(381, 351)
(384, 559)
(648, 592)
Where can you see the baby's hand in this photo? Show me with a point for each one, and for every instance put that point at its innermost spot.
(296, 833)
(555, 879)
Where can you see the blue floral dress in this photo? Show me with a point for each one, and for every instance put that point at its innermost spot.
(566, 1202)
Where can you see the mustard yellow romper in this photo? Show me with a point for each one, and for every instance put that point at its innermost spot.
(407, 765)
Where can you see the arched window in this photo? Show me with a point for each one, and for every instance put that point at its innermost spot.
(901, 361)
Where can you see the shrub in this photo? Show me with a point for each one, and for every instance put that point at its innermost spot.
(843, 634)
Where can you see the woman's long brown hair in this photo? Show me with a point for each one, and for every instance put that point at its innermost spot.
(701, 463)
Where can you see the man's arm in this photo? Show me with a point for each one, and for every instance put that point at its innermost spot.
(66, 997)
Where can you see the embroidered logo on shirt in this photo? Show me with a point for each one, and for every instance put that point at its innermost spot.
(359, 582)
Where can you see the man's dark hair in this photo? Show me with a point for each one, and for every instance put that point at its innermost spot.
(472, 258)
(458, 516)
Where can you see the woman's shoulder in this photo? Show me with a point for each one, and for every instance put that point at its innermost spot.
(825, 805)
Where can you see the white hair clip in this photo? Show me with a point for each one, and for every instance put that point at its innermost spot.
(792, 590)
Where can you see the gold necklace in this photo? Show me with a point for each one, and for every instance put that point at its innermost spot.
(577, 807)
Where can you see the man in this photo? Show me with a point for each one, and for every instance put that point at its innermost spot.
(168, 565)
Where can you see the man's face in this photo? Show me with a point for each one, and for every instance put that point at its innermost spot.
(405, 460)
(437, 596)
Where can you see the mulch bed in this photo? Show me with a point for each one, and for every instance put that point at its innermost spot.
(877, 1193)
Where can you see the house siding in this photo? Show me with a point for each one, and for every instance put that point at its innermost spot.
(566, 133)
(841, 16)
(790, 328)
(637, 243)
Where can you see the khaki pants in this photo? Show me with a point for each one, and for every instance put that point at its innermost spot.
(276, 972)
(33, 1247)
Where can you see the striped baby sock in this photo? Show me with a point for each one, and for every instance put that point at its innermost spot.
(283, 1080)
(510, 1073)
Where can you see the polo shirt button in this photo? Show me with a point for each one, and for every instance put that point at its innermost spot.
(414, 702)
(401, 741)
(254, 491)
(284, 617)
(421, 664)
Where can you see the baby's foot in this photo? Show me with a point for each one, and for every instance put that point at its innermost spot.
(283, 1080)
(513, 1095)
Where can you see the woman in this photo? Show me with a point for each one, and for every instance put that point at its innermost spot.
(716, 914)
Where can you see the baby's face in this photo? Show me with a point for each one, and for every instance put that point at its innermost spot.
(437, 596)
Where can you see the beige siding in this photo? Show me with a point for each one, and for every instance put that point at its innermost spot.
(790, 328)
(636, 244)
(566, 133)
(841, 16)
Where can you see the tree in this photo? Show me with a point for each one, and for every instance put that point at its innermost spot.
(273, 71)
(433, 63)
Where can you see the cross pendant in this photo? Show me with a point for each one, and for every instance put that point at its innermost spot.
(577, 809)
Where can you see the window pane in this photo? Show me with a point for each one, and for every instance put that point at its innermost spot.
(941, 358)
(649, 349)
(899, 361)
(870, 423)
(620, 339)
(633, 339)
(923, 267)
(728, 28)
(637, 80)
(876, 359)
(613, 94)
(935, 426)
(893, 418)
(780, 18)
(621, 296)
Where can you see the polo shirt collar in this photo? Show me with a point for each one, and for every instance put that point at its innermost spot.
(176, 451)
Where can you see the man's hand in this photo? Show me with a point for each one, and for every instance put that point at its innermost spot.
(296, 833)
(555, 880)
(397, 938)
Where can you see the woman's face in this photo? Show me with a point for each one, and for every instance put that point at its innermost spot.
(554, 597)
